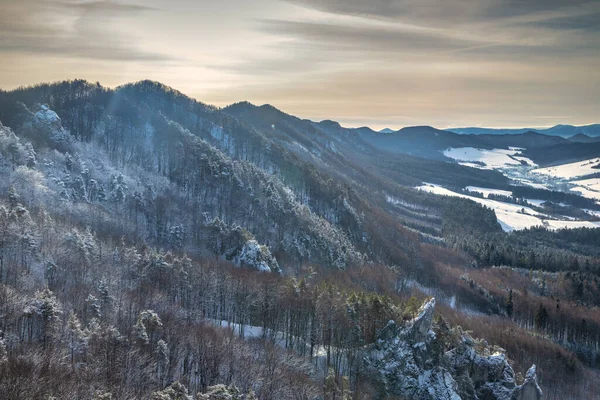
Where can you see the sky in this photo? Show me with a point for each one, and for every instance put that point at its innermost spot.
(377, 63)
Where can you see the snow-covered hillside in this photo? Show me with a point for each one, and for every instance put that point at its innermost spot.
(572, 170)
(513, 216)
(564, 177)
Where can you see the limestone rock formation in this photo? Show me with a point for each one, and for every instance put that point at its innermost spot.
(529, 390)
(423, 361)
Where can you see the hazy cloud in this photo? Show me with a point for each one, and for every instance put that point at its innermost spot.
(107, 6)
(80, 29)
(368, 38)
(401, 62)
(453, 12)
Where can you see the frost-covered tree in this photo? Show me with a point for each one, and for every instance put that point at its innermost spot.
(147, 324)
(162, 361)
(118, 188)
(43, 313)
(3, 350)
(77, 338)
(176, 391)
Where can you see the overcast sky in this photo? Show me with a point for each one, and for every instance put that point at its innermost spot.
(381, 63)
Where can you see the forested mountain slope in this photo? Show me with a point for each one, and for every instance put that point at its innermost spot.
(135, 222)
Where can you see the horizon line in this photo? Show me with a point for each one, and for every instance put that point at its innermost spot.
(337, 120)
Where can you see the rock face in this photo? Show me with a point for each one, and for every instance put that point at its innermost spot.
(530, 389)
(420, 326)
(44, 126)
(419, 361)
(258, 257)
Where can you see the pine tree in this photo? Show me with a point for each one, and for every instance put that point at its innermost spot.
(13, 197)
(3, 351)
(541, 317)
(510, 304)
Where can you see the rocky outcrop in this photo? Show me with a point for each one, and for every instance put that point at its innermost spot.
(43, 127)
(258, 257)
(529, 390)
(419, 327)
(423, 361)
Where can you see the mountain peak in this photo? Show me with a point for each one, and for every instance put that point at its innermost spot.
(420, 128)
(328, 123)
(531, 133)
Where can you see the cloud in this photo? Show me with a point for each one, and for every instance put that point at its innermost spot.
(454, 25)
(451, 13)
(75, 29)
(399, 32)
(368, 38)
(107, 6)
(429, 62)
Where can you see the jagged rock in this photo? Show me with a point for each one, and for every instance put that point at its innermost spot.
(420, 326)
(402, 359)
(46, 116)
(259, 257)
(236, 244)
(529, 390)
(407, 363)
(44, 126)
(439, 385)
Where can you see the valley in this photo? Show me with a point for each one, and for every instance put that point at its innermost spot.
(133, 218)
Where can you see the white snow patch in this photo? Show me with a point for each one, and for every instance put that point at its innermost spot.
(592, 212)
(589, 188)
(486, 192)
(397, 202)
(527, 182)
(495, 158)
(572, 170)
(535, 202)
(553, 224)
(513, 216)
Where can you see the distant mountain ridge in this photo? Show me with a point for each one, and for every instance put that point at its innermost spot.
(583, 138)
(565, 131)
(420, 141)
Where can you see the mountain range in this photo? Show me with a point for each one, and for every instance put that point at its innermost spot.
(153, 246)
(565, 131)
(422, 141)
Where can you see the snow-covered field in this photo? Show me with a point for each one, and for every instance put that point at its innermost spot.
(572, 170)
(513, 216)
(560, 177)
(535, 202)
(492, 159)
(486, 191)
(592, 184)
(592, 212)
(589, 188)
(553, 224)
(569, 173)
